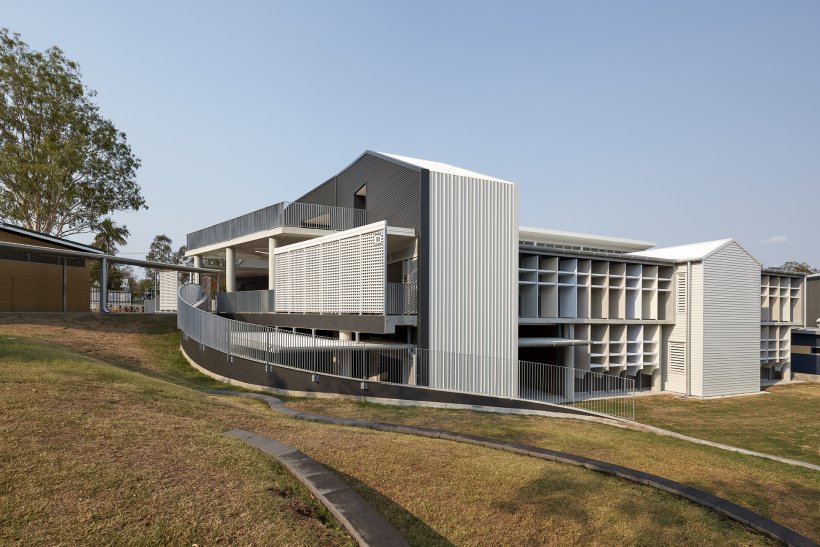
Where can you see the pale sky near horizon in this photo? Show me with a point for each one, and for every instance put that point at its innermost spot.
(672, 122)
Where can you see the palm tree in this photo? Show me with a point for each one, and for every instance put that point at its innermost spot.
(108, 237)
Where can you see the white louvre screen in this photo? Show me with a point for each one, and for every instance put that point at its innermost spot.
(681, 293)
(677, 357)
(335, 274)
(168, 287)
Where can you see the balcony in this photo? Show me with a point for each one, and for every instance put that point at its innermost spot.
(279, 215)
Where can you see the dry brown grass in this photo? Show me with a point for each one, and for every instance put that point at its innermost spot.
(787, 494)
(783, 420)
(96, 453)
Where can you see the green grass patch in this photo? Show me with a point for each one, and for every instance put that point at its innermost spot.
(783, 420)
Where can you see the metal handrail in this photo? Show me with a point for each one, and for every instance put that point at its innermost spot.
(286, 213)
(405, 364)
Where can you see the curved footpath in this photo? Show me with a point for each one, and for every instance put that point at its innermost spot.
(365, 524)
(725, 507)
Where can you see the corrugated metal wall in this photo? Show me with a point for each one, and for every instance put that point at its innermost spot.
(393, 191)
(324, 194)
(473, 270)
(731, 323)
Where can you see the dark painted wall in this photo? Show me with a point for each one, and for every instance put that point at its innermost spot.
(393, 191)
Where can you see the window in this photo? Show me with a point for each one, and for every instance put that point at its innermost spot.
(360, 198)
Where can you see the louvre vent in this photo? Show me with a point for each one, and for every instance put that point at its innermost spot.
(677, 357)
(681, 292)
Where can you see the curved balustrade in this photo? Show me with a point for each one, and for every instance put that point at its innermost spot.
(403, 365)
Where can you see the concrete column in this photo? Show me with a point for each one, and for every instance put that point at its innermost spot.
(344, 362)
(656, 380)
(197, 264)
(104, 285)
(230, 270)
(271, 264)
(569, 373)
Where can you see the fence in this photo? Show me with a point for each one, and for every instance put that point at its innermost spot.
(404, 364)
(118, 300)
(301, 215)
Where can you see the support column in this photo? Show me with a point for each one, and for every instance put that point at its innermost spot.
(569, 373)
(656, 380)
(65, 286)
(197, 264)
(104, 285)
(230, 270)
(271, 264)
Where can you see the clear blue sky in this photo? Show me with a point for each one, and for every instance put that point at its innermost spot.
(668, 121)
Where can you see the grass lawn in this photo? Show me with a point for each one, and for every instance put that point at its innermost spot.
(123, 451)
(783, 420)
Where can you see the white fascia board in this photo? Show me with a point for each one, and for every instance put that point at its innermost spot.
(273, 232)
(574, 238)
(382, 225)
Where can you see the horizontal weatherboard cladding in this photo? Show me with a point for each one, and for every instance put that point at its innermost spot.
(731, 326)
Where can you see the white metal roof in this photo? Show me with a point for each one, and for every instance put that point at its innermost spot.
(693, 251)
(436, 166)
(587, 240)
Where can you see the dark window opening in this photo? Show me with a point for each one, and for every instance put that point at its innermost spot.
(360, 198)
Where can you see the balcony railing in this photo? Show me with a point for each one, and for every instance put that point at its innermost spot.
(293, 214)
(401, 299)
(246, 302)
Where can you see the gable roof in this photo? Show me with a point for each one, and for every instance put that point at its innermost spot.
(419, 164)
(686, 253)
(11, 228)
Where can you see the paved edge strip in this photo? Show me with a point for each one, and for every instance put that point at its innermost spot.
(722, 506)
(365, 524)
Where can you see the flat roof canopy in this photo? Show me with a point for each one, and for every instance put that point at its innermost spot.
(550, 342)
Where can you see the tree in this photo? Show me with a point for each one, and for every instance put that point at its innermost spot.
(161, 250)
(108, 237)
(793, 266)
(63, 166)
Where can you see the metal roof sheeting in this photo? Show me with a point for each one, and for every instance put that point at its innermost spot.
(435, 166)
(685, 253)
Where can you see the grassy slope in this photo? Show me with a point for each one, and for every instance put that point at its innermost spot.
(435, 491)
(783, 420)
(94, 454)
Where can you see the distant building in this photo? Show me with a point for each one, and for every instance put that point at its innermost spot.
(36, 282)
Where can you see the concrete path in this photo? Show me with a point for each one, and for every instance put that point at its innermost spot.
(725, 507)
(358, 517)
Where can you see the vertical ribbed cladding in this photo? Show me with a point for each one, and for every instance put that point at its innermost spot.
(324, 194)
(473, 259)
